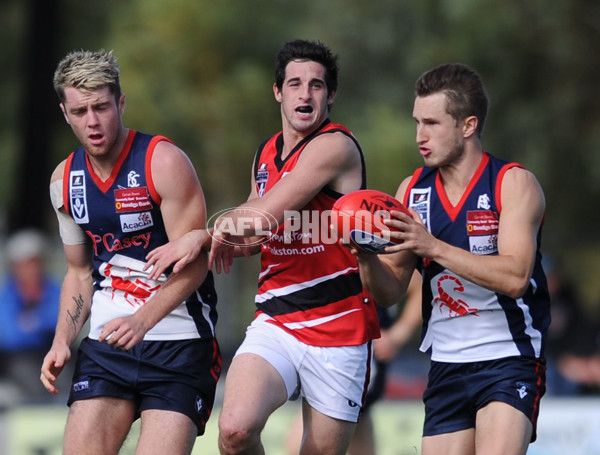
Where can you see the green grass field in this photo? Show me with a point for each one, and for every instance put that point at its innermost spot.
(567, 426)
(37, 430)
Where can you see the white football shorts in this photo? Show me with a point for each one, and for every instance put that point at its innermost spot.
(333, 380)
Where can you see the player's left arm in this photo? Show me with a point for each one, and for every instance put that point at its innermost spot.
(388, 276)
(509, 272)
(183, 209)
(186, 248)
(523, 209)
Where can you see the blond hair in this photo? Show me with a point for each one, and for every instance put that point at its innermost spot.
(87, 71)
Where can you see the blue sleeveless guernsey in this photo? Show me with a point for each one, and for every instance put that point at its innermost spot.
(122, 218)
(464, 322)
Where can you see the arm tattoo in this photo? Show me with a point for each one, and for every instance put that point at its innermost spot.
(74, 318)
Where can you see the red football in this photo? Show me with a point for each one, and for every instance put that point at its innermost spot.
(358, 217)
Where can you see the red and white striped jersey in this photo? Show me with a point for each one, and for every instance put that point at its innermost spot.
(309, 285)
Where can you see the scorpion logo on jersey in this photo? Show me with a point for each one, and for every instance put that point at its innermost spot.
(133, 291)
(456, 307)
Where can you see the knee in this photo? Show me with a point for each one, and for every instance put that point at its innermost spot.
(235, 439)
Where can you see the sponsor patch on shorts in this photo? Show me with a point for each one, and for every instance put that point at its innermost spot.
(81, 386)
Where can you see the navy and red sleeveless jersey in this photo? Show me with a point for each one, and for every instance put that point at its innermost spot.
(309, 285)
(464, 322)
(122, 217)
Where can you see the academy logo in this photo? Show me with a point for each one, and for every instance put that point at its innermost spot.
(136, 221)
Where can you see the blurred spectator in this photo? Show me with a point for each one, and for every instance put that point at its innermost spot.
(573, 348)
(29, 299)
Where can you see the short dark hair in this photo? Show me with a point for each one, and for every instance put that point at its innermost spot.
(463, 88)
(307, 50)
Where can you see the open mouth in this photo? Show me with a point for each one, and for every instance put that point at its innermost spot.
(304, 109)
(95, 137)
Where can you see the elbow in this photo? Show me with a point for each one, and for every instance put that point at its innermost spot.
(381, 298)
(386, 297)
(385, 302)
(517, 287)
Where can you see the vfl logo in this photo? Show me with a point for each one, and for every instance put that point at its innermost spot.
(77, 197)
(522, 390)
(261, 179)
(419, 200)
(456, 307)
(132, 179)
(199, 404)
(79, 208)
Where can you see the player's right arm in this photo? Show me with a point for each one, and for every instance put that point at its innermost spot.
(76, 291)
(222, 251)
(329, 160)
(395, 337)
(386, 277)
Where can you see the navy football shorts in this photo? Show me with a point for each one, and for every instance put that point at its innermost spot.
(177, 375)
(456, 391)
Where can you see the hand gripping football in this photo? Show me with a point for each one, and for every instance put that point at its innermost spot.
(358, 217)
